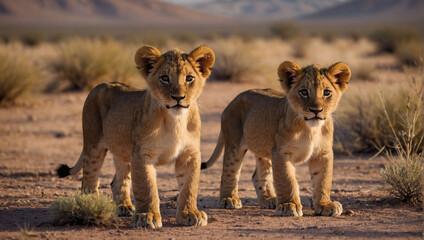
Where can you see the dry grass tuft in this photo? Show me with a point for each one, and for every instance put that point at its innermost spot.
(361, 119)
(388, 38)
(83, 209)
(287, 30)
(85, 63)
(17, 74)
(404, 171)
(410, 53)
(26, 231)
(235, 61)
(365, 72)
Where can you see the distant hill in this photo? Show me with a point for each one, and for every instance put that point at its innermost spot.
(372, 12)
(264, 9)
(97, 12)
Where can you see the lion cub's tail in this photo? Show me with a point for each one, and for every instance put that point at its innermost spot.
(64, 170)
(216, 153)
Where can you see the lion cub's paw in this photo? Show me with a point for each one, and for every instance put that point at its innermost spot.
(147, 220)
(289, 209)
(330, 209)
(194, 218)
(268, 203)
(230, 203)
(125, 210)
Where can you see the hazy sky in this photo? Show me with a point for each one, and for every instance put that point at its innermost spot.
(186, 2)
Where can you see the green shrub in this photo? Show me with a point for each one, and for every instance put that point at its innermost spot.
(85, 63)
(83, 209)
(17, 74)
(286, 30)
(410, 53)
(388, 38)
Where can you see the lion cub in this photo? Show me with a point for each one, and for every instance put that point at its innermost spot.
(145, 129)
(283, 130)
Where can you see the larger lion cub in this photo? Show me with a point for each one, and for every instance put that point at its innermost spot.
(145, 129)
(283, 130)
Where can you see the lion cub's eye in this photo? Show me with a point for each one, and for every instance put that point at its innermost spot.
(164, 79)
(303, 93)
(327, 93)
(189, 79)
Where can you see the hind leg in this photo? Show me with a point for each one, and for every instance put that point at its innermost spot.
(121, 186)
(263, 181)
(233, 157)
(93, 161)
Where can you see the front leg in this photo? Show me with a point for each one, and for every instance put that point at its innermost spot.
(143, 175)
(321, 170)
(187, 171)
(286, 186)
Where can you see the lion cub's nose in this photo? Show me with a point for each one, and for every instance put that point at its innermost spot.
(316, 111)
(177, 98)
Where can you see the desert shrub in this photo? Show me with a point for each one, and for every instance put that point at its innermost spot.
(84, 63)
(8, 38)
(388, 38)
(361, 124)
(355, 35)
(234, 61)
(17, 74)
(83, 209)
(32, 39)
(365, 72)
(300, 48)
(404, 171)
(158, 40)
(404, 174)
(410, 53)
(328, 36)
(286, 30)
(187, 37)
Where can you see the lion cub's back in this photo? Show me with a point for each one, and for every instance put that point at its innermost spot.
(257, 113)
(109, 112)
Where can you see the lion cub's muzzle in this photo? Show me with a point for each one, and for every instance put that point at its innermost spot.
(179, 103)
(318, 115)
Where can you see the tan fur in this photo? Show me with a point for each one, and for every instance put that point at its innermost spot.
(145, 129)
(277, 128)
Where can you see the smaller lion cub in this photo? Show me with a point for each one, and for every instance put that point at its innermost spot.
(145, 129)
(282, 130)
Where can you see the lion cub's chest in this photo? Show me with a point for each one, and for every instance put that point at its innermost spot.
(303, 146)
(172, 139)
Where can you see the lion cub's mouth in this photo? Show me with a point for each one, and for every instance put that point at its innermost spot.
(177, 106)
(314, 118)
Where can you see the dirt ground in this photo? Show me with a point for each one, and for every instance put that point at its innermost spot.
(35, 138)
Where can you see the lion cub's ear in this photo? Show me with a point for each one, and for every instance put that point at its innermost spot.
(287, 72)
(203, 58)
(145, 58)
(340, 74)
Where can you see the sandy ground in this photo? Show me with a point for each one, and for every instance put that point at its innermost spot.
(35, 138)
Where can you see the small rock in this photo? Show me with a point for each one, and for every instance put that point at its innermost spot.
(60, 135)
(32, 118)
(348, 213)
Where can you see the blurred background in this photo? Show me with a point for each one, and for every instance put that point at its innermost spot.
(54, 46)
(52, 52)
